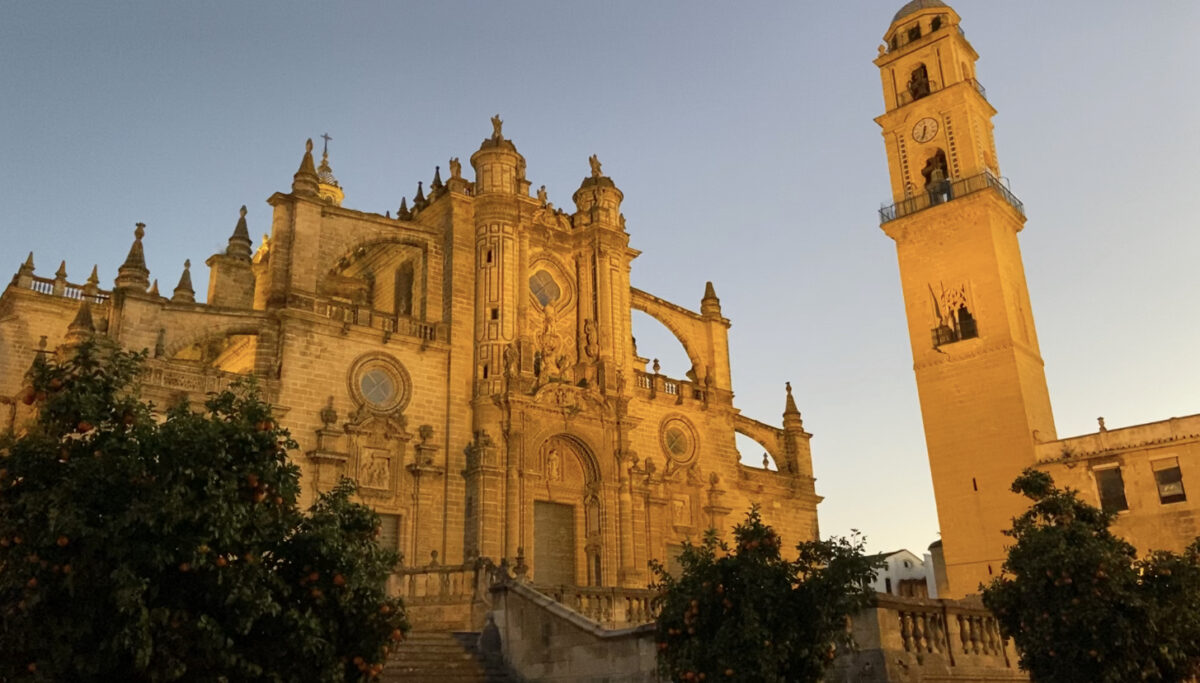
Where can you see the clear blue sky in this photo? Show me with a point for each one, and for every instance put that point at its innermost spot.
(741, 136)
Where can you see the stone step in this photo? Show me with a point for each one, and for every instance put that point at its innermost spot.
(442, 657)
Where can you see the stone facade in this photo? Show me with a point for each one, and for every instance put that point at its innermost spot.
(980, 377)
(468, 361)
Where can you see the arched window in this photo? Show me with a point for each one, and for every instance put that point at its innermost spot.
(935, 171)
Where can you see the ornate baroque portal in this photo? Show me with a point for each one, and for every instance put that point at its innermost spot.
(561, 537)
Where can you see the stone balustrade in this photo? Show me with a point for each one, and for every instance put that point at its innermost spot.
(658, 384)
(611, 607)
(364, 316)
(60, 287)
(452, 597)
(916, 639)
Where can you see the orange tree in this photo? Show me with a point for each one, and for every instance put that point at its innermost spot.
(142, 550)
(747, 614)
(1081, 606)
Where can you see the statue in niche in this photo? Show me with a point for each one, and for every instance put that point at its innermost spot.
(591, 339)
(496, 126)
(553, 465)
(550, 343)
(455, 168)
(510, 360)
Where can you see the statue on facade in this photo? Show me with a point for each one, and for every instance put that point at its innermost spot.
(591, 339)
(496, 125)
(594, 161)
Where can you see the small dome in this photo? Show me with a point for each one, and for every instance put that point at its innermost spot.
(325, 173)
(915, 6)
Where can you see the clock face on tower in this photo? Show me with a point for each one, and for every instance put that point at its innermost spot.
(925, 129)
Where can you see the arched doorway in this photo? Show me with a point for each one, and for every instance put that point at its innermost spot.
(567, 510)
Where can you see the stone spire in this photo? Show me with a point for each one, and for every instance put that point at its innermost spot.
(791, 414)
(184, 294)
(82, 326)
(154, 288)
(92, 286)
(133, 274)
(437, 180)
(239, 242)
(24, 276)
(710, 305)
(419, 200)
(403, 213)
(306, 182)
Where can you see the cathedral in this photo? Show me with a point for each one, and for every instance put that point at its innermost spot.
(980, 377)
(468, 361)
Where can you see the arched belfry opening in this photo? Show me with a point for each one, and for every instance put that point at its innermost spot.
(937, 177)
(568, 510)
(918, 82)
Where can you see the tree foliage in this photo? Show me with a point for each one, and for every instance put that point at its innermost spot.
(1081, 606)
(747, 614)
(139, 550)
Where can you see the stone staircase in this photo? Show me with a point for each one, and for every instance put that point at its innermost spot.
(439, 656)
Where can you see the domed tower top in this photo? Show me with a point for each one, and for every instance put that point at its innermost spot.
(915, 20)
(916, 6)
(598, 201)
(327, 185)
(499, 167)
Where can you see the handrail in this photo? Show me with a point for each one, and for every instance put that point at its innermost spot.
(949, 190)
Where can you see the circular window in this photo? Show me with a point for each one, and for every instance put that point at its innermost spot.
(544, 288)
(377, 387)
(678, 439)
(380, 383)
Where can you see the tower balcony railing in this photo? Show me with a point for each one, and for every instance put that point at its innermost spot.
(905, 95)
(949, 190)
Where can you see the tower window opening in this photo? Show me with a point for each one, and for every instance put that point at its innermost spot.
(485, 371)
(989, 570)
(935, 24)
(1111, 487)
(495, 314)
(937, 182)
(974, 484)
(914, 33)
(967, 329)
(488, 256)
(918, 81)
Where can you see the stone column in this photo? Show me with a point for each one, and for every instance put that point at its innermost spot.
(512, 497)
(627, 575)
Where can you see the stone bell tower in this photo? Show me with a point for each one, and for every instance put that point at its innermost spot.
(979, 370)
